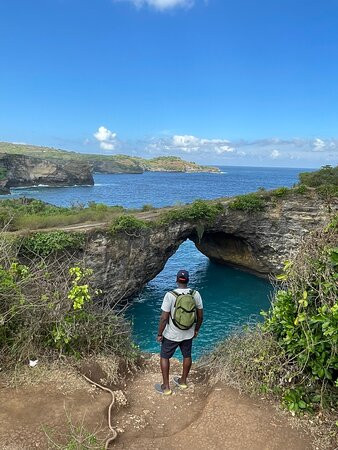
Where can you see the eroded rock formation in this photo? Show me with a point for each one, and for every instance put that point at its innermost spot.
(256, 241)
(24, 170)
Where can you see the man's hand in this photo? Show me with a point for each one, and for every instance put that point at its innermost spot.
(195, 334)
(163, 323)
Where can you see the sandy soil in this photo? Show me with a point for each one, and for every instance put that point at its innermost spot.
(198, 418)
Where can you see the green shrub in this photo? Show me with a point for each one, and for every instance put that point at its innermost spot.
(199, 210)
(3, 173)
(248, 202)
(44, 244)
(304, 314)
(328, 192)
(280, 192)
(128, 224)
(147, 207)
(301, 189)
(326, 175)
(48, 310)
(293, 355)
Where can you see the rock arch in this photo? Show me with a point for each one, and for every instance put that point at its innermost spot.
(259, 242)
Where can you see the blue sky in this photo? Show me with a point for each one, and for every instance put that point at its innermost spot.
(224, 82)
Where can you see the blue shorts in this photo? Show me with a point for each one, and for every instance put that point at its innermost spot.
(168, 348)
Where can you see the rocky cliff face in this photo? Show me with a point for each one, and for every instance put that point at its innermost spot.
(112, 166)
(29, 171)
(259, 242)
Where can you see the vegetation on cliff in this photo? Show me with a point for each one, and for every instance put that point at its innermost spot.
(293, 354)
(107, 163)
(127, 224)
(48, 308)
(326, 175)
(30, 214)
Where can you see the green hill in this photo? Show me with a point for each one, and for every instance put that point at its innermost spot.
(108, 163)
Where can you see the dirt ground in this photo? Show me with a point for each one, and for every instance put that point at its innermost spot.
(198, 418)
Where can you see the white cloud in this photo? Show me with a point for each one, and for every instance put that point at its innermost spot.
(161, 5)
(275, 154)
(189, 144)
(107, 146)
(107, 139)
(318, 145)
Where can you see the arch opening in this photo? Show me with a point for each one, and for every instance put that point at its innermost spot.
(231, 297)
(229, 249)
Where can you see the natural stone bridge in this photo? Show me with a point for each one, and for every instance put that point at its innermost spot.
(256, 241)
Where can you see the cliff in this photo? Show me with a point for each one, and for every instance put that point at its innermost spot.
(259, 242)
(107, 163)
(174, 164)
(22, 170)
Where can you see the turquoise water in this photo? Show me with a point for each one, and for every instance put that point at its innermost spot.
(231, 297)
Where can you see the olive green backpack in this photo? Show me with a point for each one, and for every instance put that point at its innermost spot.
(184, 315)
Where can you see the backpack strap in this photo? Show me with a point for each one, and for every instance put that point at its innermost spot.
(176, 294)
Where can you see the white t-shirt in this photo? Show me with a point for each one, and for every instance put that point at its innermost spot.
(171, 332)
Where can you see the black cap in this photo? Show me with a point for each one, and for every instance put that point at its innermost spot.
(183, 276)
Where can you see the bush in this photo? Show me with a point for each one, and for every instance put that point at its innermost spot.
(128, 224)
(280, 192)
(147, 207)
(293, 355)
(248, 202)
(44, 244)
(47, 309)
(304, 315)
(301, 189)
(3, 173)
(328, 192)
(326, 175)
(199, 210)
(249, 360)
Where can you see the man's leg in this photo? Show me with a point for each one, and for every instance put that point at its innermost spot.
(167, 350)
(165, 366)
(186, 369)
(186, 347)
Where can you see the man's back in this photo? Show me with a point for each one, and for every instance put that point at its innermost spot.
(172, 332)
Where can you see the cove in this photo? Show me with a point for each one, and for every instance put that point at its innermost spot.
(231, 298)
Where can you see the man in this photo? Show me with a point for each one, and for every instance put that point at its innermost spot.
(181, 319)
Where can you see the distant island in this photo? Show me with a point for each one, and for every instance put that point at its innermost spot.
(30, 165)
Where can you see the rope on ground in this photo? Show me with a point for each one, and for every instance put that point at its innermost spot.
(114, 432)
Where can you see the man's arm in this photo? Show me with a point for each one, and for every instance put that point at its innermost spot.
(199, 313)
(161, 326)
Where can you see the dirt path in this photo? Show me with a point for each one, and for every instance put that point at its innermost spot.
(194, 419)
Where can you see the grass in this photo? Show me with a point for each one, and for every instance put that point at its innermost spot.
(32, 214)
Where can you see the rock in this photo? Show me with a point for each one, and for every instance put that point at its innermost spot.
(110, 165)
(256, 241)
(24, 170)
